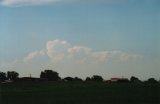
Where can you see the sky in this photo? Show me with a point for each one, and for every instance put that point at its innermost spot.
(111, 38)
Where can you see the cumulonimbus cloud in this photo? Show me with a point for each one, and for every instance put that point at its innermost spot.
(60, 50)
(56, 50)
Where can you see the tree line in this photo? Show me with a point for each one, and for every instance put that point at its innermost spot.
(50, 75)
(10, 75)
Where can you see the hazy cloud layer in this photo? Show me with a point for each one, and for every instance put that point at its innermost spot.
(15, 3)
(69, 59)
(33, 55)
(28, 2)
(59, 51)
(8, 65)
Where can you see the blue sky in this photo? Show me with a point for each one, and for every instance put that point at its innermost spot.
(129, 26)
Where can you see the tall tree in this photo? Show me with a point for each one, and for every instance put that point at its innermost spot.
(12, 75)
(50, 75)
(97, 78)
(3, 76)
(68, 79)
(77, 79)
(152, 80)
(134, 79)
(88, 79)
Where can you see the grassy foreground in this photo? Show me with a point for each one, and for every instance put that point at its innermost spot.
(78, 93)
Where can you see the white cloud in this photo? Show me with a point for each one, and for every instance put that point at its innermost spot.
(56, 50)
(101, 56)
(15, 3)
(33, 55)
(27, 2)
(79, 54)
(71, 59)
(79, 49)
(60, 50)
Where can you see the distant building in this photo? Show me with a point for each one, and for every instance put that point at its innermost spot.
(119, 80)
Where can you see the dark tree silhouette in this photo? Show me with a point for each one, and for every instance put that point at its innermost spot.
(123, 81)
(77, 79)
(88, 79)
(42, 75)
(68, 79)
(152, 81)
(12, 75)
(134, 79)
(50, 75)
(97, 78)
(3, 76)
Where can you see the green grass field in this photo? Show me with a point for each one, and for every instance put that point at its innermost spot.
(78, 93)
